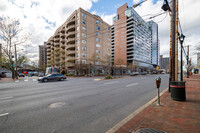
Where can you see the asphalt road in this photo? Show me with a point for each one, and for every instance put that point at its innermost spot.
(82, 104)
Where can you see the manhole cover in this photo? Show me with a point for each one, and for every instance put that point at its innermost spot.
(149, 130)
(56, 105)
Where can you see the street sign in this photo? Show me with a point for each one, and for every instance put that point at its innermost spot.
(157, 68)
(13, 65)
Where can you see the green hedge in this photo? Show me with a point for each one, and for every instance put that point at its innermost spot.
(108, 77)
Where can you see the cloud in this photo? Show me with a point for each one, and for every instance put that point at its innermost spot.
(107, 18)
(41, 18)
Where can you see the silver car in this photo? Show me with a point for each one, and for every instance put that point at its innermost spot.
(52, 77)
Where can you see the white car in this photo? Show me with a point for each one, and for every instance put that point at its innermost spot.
(163, 72)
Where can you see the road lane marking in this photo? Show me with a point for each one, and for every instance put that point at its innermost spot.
(17, 81)
(5, 98)
(34, 79)
(4, 114)
(26, 80)
(132, 84)
(110, 82)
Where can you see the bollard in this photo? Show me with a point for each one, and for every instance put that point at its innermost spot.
(158, 82)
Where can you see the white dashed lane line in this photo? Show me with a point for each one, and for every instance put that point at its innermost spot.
(132, 84)
(4, 114)
(5, 98)
(110, 82)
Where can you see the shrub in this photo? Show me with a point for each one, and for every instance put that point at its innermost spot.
(108, 77)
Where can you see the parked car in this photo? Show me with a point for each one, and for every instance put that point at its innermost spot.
(52, 77)
(143, 73)
(134, 73)
(21, 75)
(163, 72)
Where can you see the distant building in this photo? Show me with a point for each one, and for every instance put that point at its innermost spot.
(134, 41)
(42, 56)
(164, 63)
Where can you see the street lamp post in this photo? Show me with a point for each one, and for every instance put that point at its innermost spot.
(181, 39)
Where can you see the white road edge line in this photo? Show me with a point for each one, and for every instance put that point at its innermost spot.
(132, 115)
(26, 80)
(110, 82)
(4, 114)
(5, 98)
(132, 84)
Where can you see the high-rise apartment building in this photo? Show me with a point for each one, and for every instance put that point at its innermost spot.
(42, 56)
(134, 41)
(81, 45)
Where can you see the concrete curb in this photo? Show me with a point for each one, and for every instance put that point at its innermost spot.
(132, 115)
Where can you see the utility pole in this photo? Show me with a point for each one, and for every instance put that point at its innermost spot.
(172, 41)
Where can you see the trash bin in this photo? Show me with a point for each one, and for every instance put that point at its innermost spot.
(177, 89)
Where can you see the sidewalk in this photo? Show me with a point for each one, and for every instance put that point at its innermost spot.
(6, 80)
(172, 116)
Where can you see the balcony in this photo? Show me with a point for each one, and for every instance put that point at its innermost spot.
(70, 52)
(71, 28)
(70, 46)
(48, 50)
(62, 45)
(71, 34)
(62, 39)
(69, 58)
(67, 64)
(56, 39)
(56, 44)
(71, 40)
(70, 22)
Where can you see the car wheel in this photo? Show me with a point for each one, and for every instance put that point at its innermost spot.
(61, 79)
(45, 80)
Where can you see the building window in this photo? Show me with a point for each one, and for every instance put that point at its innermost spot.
(108, 28)
(98, 33)
(83, 21)
(84, 41)
(77, 35)
(77, 28)
(98, 51)
(77, 55)
(98, 45)
(98, 22)
(78, 21)
(77, 15)
(83, 15)
(83, 28)
(108, 33)
(83, 55)
(83, 61)
(98, 28)
(98, 57)
(83, 35)
(77, 41)
(98, 63)
(98, 39)
(83, 48)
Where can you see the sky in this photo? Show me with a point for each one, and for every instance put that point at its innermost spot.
(42, 17)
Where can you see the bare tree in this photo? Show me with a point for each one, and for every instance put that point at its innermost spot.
(11, 36)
